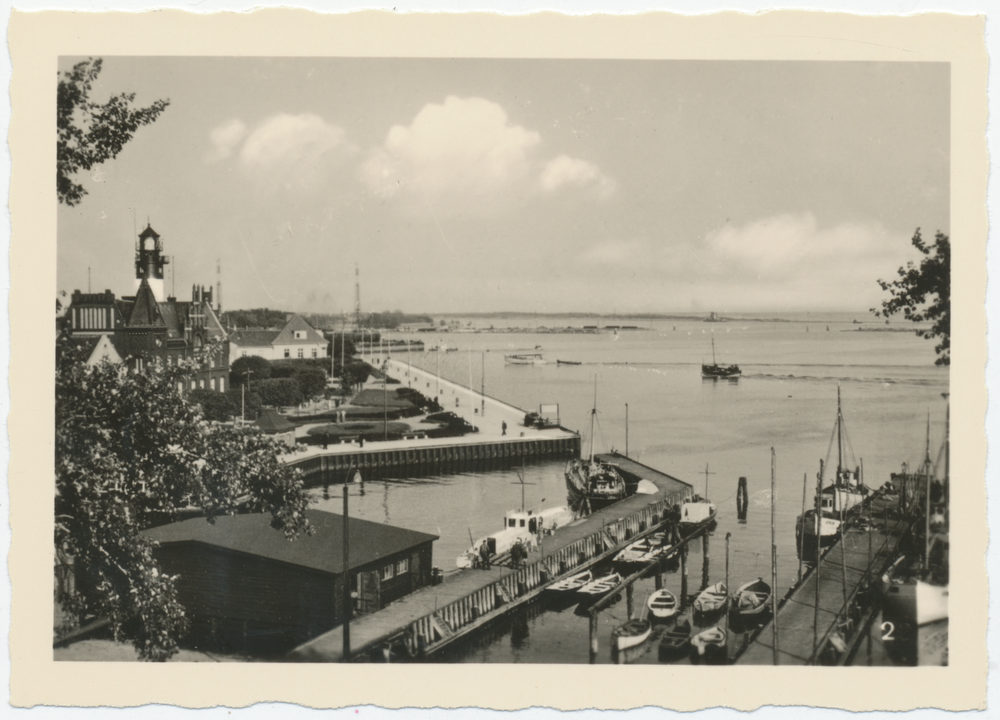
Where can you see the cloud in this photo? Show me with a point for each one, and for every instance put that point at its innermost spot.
(461, 149)
(786, 261)
(564, 170)
(225, 138)
(286, 140)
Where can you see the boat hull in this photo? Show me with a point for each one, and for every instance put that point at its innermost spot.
(632, 634)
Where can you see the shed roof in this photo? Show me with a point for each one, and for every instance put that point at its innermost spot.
(271, 422)
(370, 541)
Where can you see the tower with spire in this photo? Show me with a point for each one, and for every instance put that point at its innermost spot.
(149, 262)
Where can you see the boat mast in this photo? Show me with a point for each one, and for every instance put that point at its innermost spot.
(714, 361)
(593, 417)
(840, 441)
(927, 493)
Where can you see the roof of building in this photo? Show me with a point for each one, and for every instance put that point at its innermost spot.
(271, 422)
(253, 338)
(149, 232)
(145, 310)
(298, 323)
(370, 541)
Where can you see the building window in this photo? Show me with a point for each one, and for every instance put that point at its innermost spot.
(288, 353)
(201, 384)
(192, 384)
(387, 573)
(403, 566)
(300, 334)
(222, 384)
(300, 354)
(243, 353)
(314, 352)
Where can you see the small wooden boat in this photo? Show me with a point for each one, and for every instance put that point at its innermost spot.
(572, 584)
(632, 633)
(641, 551)
(524, 359)
(710, 645)
(712, 599)
(596, 589)
(751, 598)
(663, 605)
(568, 362)
(696, 514)
(676, 642)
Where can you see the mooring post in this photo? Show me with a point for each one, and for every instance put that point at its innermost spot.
(684, 575)
(593, 638)
(704, 560)
(659, 575)
(629, 592)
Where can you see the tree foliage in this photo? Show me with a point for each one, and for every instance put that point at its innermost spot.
(923, 294)
(278, 391)
(248, 369)
(258, 318)
(88, 132)
(129, 452)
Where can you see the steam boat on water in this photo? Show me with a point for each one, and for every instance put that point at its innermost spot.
(847, 491)
(715, 370)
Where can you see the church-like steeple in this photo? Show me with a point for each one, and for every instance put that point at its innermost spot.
(149, 261)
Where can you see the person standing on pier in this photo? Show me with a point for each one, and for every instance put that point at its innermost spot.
(503, 427)
(484, 555)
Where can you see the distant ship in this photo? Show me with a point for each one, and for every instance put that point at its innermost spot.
(719, 371)
(714, 317)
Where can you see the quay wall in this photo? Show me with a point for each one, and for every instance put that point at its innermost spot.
(417, 453)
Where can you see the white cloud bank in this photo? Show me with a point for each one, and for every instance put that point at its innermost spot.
(786, 261)
(225, 138)
(464, 156)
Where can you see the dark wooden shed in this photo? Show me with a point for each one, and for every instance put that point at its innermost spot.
(240, 578)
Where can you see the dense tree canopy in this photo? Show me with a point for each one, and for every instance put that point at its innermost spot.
(130, 451)
(260, 318)
(249, 368)
(88, 132)
(923, 294)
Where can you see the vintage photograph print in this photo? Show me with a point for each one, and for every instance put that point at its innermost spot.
(497, 361)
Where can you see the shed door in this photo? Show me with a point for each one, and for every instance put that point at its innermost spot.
(368, 592)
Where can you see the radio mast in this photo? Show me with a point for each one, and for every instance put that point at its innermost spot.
(357, 299)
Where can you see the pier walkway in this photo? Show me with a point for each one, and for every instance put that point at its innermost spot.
(487, 445)
(825, 613)
(433, 617)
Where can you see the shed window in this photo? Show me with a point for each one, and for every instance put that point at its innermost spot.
(314, 352)
(403, 566)
(301, 353)
(288, 353)
(387, 572)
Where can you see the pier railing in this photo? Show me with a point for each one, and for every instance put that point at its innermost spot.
(439, 628)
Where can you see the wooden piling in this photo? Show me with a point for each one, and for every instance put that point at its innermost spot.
(629, 596)
(593, 638)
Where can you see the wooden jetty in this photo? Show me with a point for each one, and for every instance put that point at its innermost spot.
(432, 618)
(826, 614)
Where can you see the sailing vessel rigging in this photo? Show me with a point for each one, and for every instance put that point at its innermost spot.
(835, 500)
(593, 484)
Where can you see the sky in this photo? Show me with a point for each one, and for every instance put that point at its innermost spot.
(598, 186)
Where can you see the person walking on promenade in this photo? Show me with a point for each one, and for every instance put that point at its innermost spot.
(503, 427)
(484, 556)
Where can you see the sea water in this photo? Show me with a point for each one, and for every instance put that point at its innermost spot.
(786, 400)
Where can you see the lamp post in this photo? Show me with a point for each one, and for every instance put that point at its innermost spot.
(243, 395)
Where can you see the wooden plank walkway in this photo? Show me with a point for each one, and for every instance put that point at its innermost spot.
(433, 617)
(861, 555)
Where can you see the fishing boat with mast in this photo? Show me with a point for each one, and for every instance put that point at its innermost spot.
(716, 371)
(593, 484)
(834, 501)
(915, 586)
